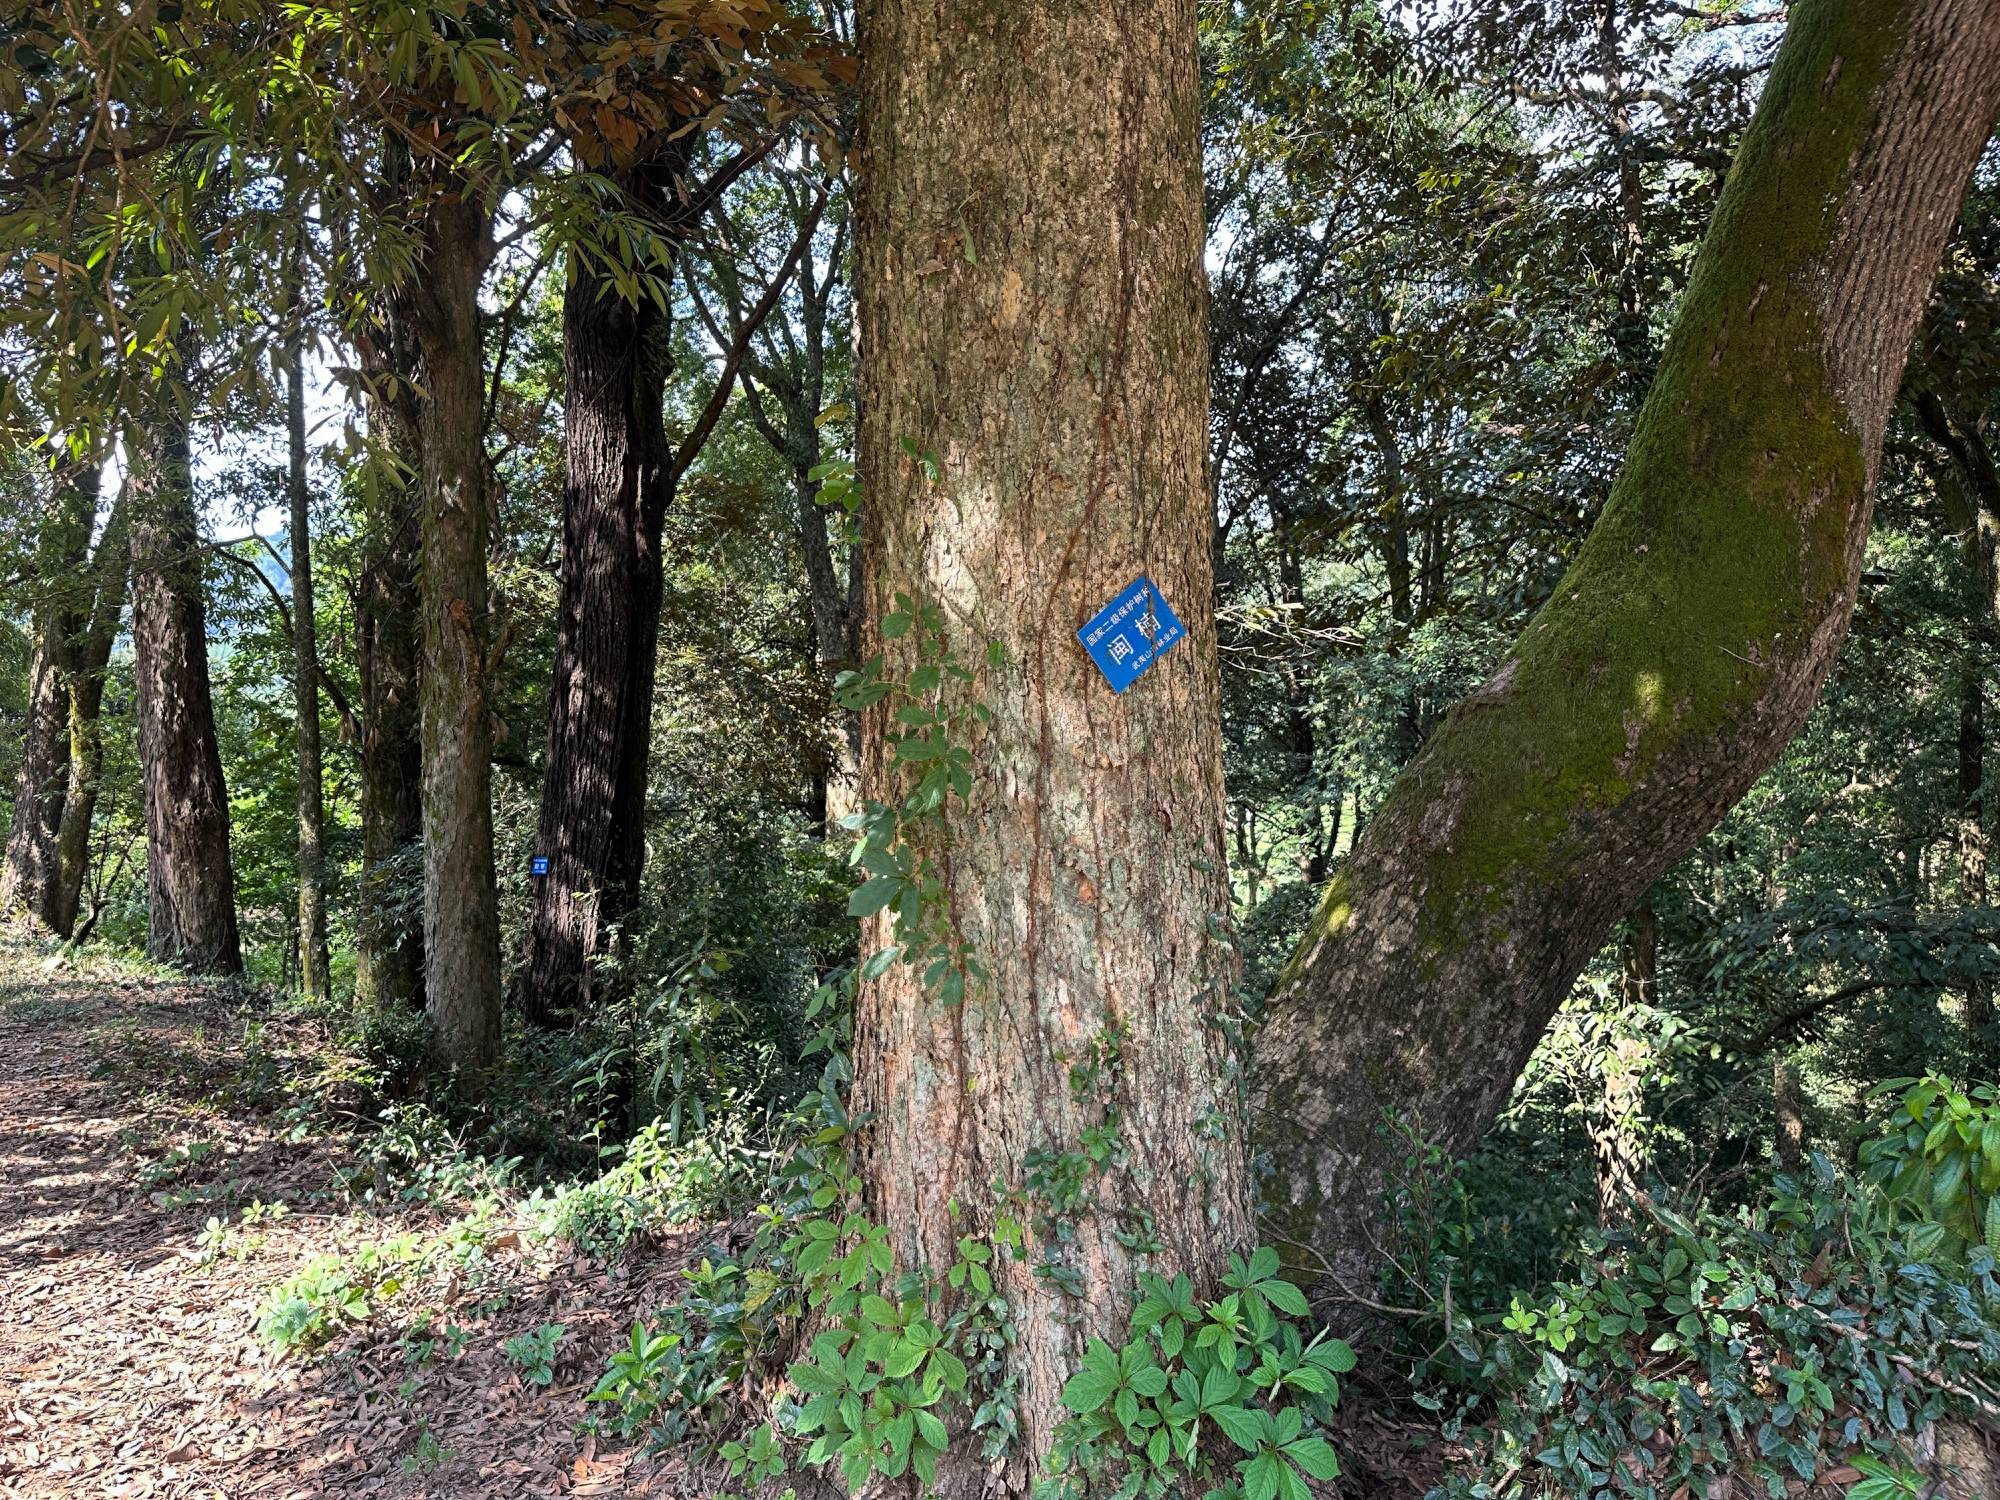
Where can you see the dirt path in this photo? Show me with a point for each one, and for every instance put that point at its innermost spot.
(130, 1364)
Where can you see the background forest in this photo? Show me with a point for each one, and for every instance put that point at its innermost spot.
(1445, 249)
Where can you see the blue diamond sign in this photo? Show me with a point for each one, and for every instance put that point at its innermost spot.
(1131, 633)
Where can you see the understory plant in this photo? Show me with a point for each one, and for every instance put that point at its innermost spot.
(1218, 1397)
(1777, 1344)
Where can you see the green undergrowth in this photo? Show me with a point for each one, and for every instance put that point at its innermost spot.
(1828, 1325)
(1223, 1396)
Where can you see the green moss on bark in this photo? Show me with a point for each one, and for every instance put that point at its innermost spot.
(1725, 545)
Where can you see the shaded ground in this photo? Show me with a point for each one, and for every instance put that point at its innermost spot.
(139, 1117)
(130, 1364)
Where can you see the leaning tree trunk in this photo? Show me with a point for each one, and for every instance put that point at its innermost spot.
(1031, 301)
(30, 868)
(616, 357)
(191, 893)
(313, 981)
(461, 910)
(89, 662)
(389, 929)
(1681, 652)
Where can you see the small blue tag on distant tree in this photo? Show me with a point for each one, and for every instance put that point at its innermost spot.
(539, 865)
(1131, 633)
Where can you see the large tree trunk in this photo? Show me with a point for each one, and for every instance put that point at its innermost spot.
(616, 359)
(191, 894)
(30, 867)
(313, 981)
(389, 929)
(89, 660)
(1031, 300)
(1679, 655)
(461, 910)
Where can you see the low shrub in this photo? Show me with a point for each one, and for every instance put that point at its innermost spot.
(1779, 1343)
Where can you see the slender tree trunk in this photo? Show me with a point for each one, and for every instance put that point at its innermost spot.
(616, 358)
(30, 867)
(389, 929)
(191, 894)
(1684, 648)
(1628, 332)
(1617, 1134)
(461, 911)
(1031, 301)
(1788, 1105)
(1970, 488)
(313, 980)
(90, 658)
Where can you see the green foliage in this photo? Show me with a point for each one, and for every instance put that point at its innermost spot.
(1774, 1344)
(654, 1183)
(426, 1455)
(534, 1353)
(332, 1292)
(1939, 1159)
(927, 736)
(1237, 1363)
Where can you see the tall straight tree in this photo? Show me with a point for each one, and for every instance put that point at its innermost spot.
(461, 905)
(1034, 401)
(312, 953)
(30, 866)
(190, 886)
(389, 928)
(1684, 648)
(622, 472)
(616, 359)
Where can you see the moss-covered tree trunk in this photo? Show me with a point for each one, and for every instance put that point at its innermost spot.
(30, 868)
(1682, 650)
(190, 886)
(461, 912)
(389, 929)
(1031, 302)
(616, 359)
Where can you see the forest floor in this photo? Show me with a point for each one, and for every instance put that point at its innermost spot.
(130, 1361)
(144, 1120)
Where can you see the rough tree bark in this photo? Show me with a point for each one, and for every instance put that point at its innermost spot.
(30, 867)
(461, 909)
(1030, 294)
(622, 474)
(313, 980)
(616, 360)
(1685, 646)
(389, 931)
(191, 894)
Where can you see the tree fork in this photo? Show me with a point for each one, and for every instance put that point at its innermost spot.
(1681, 652)
(30, 868)
(90, 657)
